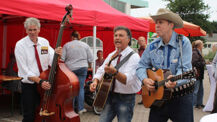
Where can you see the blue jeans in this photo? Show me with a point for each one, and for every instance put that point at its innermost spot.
(178, 110)
(198, 92)
(81, 74)
(120, 105)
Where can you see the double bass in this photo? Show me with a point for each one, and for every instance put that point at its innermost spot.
(56, 103)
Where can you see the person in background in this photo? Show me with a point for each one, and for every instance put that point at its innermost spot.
(198, 63)
(78, 57)
(214, 70)
(33, 55)
(121, 98)
(142, 45)
(164, 53)
(100, 59)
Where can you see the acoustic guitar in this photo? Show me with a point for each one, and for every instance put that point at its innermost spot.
(104, 87)
(149, 97)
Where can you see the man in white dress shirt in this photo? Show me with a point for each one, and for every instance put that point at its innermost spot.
(121, 100)
(28, 67)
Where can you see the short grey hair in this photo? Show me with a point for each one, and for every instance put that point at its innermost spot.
(32, 21)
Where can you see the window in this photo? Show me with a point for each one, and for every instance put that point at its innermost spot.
(205, 45)
(134, 44)
(89, 40)
(209, 45)
(117, 5)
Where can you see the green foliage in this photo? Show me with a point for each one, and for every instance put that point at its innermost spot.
(214, 25)
(210, 56)
(194, 11)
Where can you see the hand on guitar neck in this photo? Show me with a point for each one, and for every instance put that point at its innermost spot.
(151, 86)
(109, 69)
(170, 84)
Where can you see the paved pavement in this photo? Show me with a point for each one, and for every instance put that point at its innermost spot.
(140, 112)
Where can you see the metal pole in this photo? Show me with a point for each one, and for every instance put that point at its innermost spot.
(4, 45)
(94, 49)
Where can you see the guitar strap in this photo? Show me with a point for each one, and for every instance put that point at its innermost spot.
(119, 65)
(179, 38)
(124, 60)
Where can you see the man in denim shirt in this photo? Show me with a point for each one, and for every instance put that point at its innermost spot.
(164, 53)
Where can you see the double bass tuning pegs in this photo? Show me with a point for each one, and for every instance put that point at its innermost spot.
(68, 8)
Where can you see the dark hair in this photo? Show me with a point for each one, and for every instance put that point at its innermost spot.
(99, 51)
(125, 29)
(75, 34)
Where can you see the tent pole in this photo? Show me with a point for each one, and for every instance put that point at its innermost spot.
(147, 42)
(94, 50)
(4, 45)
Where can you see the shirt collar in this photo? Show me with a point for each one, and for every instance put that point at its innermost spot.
(125, 51)
(30, 43)
(172, 41)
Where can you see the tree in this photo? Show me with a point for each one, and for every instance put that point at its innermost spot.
(214, 25)
(194, 11)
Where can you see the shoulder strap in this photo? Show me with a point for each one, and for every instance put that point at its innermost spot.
(179, 38)
(124, 60)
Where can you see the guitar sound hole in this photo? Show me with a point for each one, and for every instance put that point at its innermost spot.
(107, 76)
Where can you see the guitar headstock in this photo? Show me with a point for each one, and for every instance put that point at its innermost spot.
(186, 75)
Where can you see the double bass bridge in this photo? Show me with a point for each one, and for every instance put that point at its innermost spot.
(46, 113)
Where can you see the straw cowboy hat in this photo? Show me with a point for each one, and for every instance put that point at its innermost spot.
(166, 14)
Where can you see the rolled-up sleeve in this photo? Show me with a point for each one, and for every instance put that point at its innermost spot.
(130, 72)
(143, 64)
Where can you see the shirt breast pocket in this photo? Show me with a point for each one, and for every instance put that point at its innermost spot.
(173, 65)
(44, 59)
(157, 61)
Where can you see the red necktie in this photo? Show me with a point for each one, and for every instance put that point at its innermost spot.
(118, 61)
(119, 58)
(37, 59)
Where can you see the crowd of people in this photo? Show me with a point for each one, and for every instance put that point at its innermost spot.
(170, 52)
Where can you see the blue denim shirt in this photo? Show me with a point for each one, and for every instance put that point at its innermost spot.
(161, 56)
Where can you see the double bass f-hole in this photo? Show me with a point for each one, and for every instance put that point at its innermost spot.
(60, 112)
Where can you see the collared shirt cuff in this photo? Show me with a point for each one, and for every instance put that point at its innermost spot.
(142, 77)
(181, 82)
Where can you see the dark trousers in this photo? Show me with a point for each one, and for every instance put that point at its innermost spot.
(30, 100)
(215, 102)
(178, 110)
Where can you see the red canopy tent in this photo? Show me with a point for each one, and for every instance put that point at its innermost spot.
(87, 15)
(85, 12)
(189, 29)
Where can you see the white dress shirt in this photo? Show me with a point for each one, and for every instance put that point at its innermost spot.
(25, 57)
(214, 66)
(133, 84)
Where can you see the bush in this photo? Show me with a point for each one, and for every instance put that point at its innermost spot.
(210, 56)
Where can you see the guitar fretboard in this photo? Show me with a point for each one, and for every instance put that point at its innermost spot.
(185, 75)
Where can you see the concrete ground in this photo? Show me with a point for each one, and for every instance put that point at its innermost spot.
(140, 113)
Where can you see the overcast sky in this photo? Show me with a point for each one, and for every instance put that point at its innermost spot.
(154, 5)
